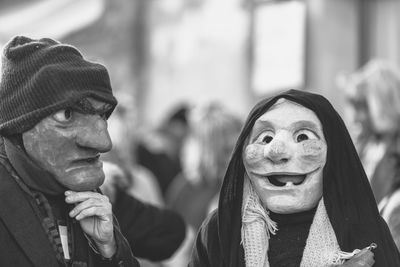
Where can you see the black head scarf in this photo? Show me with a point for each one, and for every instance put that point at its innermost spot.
(348, 197)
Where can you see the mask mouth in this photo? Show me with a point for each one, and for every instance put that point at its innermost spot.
(282, 180)
(93, 159)
(88, 160)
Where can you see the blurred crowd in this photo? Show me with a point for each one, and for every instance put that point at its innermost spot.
(175, 171)
(177, 168)
(373, 105)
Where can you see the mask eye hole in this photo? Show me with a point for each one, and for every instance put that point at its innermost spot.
(265, 137)
(63, 115)
(304, 135)
(301, 137)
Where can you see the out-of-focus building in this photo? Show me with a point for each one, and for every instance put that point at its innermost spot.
(235, 51)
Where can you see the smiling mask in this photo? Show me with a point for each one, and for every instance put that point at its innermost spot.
(285, 156)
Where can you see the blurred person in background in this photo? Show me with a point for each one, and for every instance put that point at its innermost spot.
(135, 181)
(159, 150)
(373, 92)
(154, 233)
(53, 123)
(194, 192)
(141, 182)
(206, 151)
(135, 193)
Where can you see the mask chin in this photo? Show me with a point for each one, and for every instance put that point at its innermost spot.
(291, 207)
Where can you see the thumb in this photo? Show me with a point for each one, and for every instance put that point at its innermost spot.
(366, 256)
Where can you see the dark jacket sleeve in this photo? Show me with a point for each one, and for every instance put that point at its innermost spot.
(123, 257)
(206, 251)
(153, 233)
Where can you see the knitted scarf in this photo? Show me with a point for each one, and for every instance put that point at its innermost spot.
(321, 248)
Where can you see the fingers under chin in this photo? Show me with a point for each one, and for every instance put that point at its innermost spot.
(81, 196)
(100, 212)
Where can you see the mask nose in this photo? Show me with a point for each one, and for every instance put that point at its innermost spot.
(277, 152)
(94, 135)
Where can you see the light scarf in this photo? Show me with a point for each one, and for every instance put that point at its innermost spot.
(321, 250)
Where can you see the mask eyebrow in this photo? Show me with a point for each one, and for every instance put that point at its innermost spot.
(259, 127)
(85, 106)
(308, 125)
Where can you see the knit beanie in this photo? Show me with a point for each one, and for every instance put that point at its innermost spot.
(40, 77)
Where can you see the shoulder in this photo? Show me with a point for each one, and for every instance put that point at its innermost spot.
(210, 225)
(206, 251)
(10, 191)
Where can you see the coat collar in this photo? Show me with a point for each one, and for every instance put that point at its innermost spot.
(33, 176)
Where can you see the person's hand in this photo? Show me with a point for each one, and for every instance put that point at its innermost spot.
(365, 258)
(94, 212)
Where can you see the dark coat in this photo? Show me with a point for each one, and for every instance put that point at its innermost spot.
(23, 241)
(153, 233)
(348, 197)
(207, 250)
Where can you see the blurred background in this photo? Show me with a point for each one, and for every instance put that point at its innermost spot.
(164, 52)
(187, 72)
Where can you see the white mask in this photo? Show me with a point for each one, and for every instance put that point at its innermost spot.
(285, 156)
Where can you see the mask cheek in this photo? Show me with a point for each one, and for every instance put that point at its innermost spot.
(314, 152)
(253, 154)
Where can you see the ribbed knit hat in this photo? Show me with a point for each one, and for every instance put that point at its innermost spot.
(40, 77)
